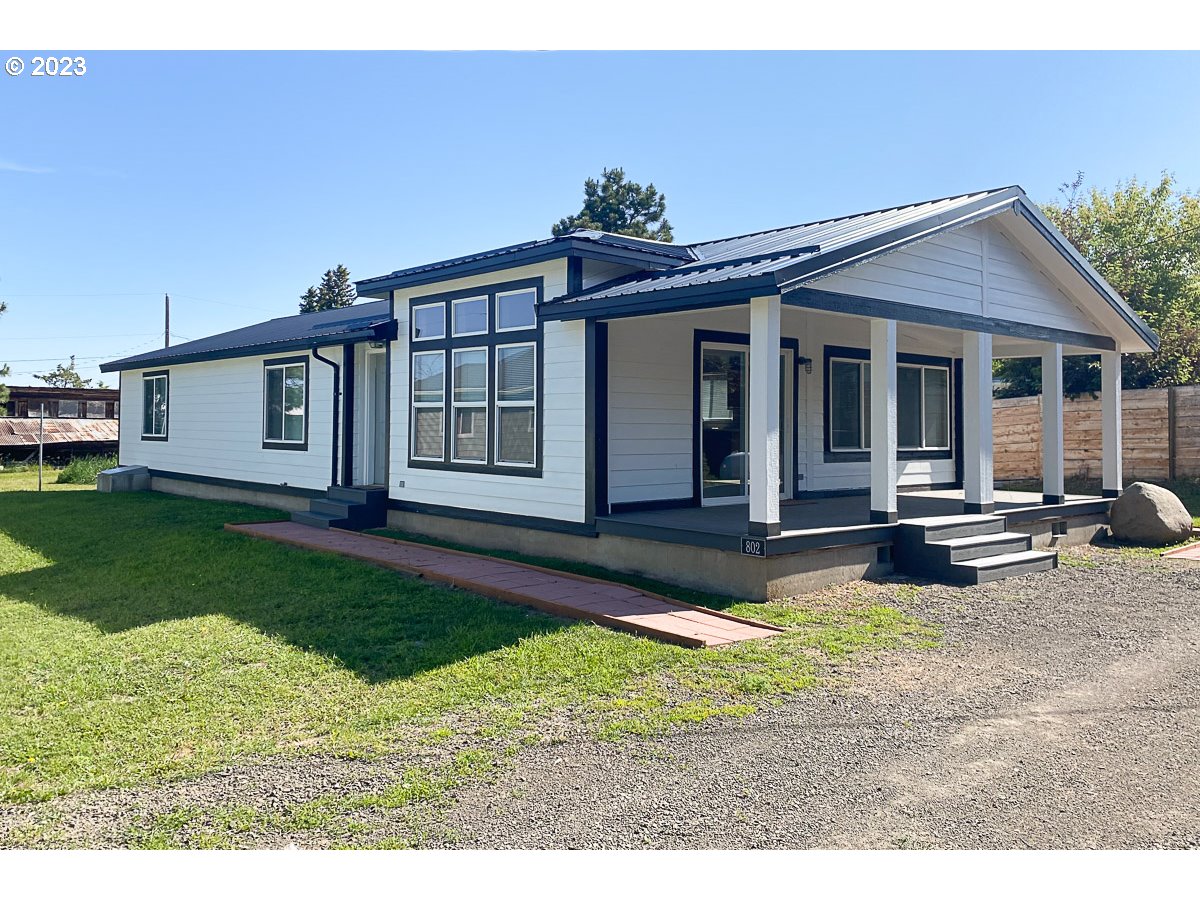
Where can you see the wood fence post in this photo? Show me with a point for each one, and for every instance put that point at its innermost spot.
(1172, 440)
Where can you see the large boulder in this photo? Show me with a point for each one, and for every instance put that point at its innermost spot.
(1149, 514)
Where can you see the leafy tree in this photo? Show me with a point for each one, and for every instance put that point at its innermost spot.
(335, 292)
(65, 377)
(1145, 241)
(621, 207)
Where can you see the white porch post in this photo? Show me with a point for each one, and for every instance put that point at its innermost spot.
(764, 416)
(977, 423)
(883, 421)
(1110, 404)
(1052, 424)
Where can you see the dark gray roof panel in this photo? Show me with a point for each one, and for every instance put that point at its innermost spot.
(672, 252)
(800, 247)
(305, 330)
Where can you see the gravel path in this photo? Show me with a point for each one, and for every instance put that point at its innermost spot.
(1059, 710)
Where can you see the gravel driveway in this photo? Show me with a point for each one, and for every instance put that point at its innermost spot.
(1060, 711)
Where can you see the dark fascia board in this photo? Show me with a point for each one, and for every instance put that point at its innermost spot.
(700, 296)
(1038, 220)
(381, 288)
(383, 332)
(828, 301)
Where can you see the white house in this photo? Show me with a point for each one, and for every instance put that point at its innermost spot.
(756, 414)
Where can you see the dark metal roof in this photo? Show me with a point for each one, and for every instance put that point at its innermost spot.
(360, 322)
(785, 258)
(636, 251)
(802, 251)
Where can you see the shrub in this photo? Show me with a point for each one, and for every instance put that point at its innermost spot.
(84, 469)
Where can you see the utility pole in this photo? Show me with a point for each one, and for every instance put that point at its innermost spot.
(41, 442)
(167, 322)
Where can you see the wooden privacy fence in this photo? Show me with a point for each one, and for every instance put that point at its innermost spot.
(1160, 431)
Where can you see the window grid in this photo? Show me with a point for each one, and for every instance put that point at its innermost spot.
(482, 430)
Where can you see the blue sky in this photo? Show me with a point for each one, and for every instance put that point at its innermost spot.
(232, 181)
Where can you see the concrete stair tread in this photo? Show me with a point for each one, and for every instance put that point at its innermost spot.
(976, 540)
(1008, 559)
(942, 521)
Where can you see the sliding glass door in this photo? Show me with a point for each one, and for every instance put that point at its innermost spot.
(724, 423)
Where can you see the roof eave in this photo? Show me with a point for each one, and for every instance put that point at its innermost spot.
(381, 288)
(381, 332)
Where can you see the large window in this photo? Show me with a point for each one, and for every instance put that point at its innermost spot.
(154, 406)
(922, 405)
(475, 403)
(285, 404)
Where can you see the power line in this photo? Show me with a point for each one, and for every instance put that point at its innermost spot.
(78, 337)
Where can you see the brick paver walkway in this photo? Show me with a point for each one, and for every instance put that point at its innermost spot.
(574, 596)
(1191, 551)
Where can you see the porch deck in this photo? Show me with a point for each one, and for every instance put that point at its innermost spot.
(825, 522)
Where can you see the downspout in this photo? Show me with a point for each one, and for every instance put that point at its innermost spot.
(337, 402)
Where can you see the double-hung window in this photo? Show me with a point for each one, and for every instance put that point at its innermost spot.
(154, 406)
(922, 405)
(285, 404)
(429, 404)
(474, 375)
(516, 396)
(470, 401)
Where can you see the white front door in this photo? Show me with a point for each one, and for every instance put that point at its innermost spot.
(375, 419)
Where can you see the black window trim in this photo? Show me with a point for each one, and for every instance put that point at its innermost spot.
(164, 374)
(489, 341)
(275, 363)
(833, 352)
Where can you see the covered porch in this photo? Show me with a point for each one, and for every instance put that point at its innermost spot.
(828, 522)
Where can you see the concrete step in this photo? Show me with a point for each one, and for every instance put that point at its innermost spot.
(319, 520)
(339, 508)
(993, 568)
(367, 496)
(945, 528)
(977, 546)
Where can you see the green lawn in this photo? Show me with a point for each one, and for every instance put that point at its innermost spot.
(140, 641)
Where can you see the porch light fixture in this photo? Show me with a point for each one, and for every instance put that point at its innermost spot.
(375, 345)
(806, 361)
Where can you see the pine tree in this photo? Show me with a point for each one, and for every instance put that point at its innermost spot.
(618, 206)
(65, 376)
(335, 292)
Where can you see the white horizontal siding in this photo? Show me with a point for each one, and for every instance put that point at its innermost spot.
(944, 272)
(948, 272)
(1021, 292)
(650, 409)
(215, 424)
(560, 492)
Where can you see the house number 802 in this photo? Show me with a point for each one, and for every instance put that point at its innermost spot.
(754, 547)
(58, 65)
